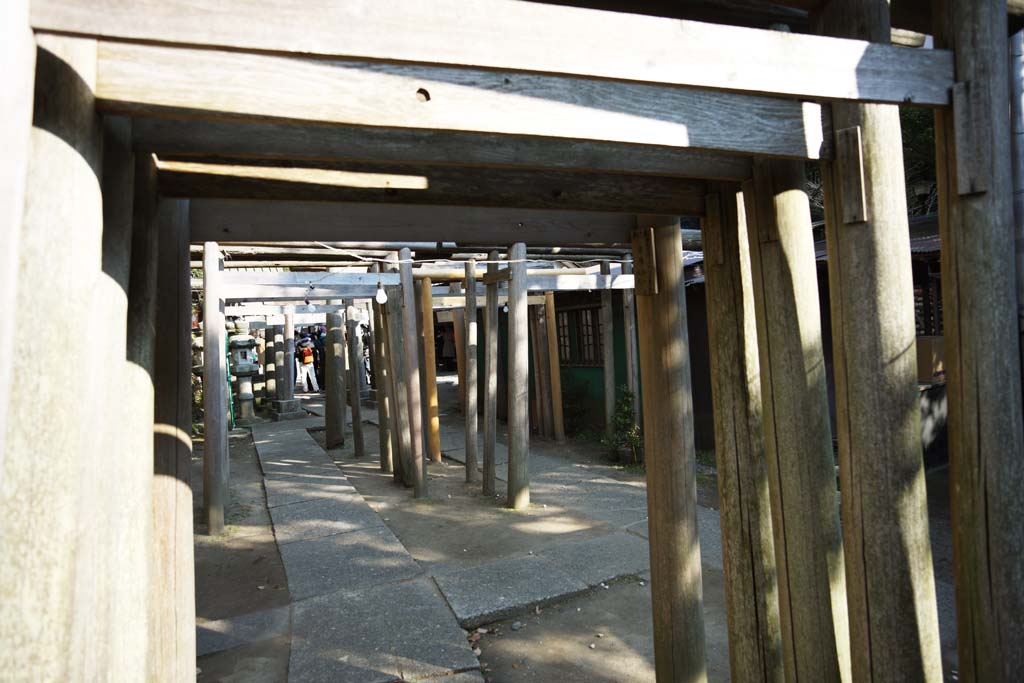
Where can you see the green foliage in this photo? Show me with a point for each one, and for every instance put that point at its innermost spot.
(625, 433)
(918, 129)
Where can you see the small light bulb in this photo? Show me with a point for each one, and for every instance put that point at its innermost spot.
(311, 308)
(381, 296)
(505, 308)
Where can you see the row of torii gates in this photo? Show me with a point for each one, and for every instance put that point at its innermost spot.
(132, 129)
(403, 334)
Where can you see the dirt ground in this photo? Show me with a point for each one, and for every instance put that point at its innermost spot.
(239, 572)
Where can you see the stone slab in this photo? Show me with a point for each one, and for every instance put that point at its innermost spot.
(504, 587)
(347, 636)
(339, 513)
(225, 634)
(349, 561)
(600, 559)
(284, 490)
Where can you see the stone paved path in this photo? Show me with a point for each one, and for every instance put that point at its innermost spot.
(363, 610)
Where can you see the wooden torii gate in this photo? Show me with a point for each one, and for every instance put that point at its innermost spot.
(97, 86)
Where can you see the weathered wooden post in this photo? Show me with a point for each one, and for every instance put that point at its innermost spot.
(172, 631)
(518, 382)
(676, 593)
(334, 381)
(289, 354)
(798, 437)
(986, 446)
(459, 329)
(894, 629)
(17, 84)
(412, 374)
(748, 553)
(401, 441)
(280, 393)
(382, 379)
(433, 424)
(629, 327)
(555, 367)
(215, 400)
(471, 382)
(354, 355)
(490, 375)
(541, 370)
(608, 352)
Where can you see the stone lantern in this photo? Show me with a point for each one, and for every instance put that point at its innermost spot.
(244, 366)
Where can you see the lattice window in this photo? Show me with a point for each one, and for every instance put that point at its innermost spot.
(579, 336)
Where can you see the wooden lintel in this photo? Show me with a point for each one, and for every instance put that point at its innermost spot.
(144, 80)
(318, 280)
(645, 270)
(249, 220)
(315, 142)
(601, 45)
(419, 184)
(500, 276)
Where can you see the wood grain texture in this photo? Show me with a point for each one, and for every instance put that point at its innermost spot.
(608, 354)
(150, 80)
(890, 587)
(313, 142)
(472, 385)
(353, 342)
(676, 592)
(433, 425)
(215, 393)
(334, 380)
(490, 377)
(410, 340)
(629, 330)
(249, 220)
(434, 185)
(798, 437)
(18, 61)
(172, 654)
(986, 446)
(382, 388)
(555, 369)
(518, 382)
(748, 551)
(601, 44)
(399, 391)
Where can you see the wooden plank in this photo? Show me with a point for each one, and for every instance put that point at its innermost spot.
(986, 446)
(472, 388)
(334, 380)
(16, 82)
(215, 396)
(381, 386)
(608, 354)
(250, 220)
(433, 425)
(603, 45)
(314, 142)
(518, 383)
(798, 438)
(316, 280)
(890, 587)
(355, 362)
(497, 277)
(850, 156)
(646, 277)
(459, 325)
(151, 80)
(172, 620)
(541, 369)
(629, 329)
(402, 443)
(412, 375)
(555, 370)
(676, 598)
(748, 553)
(430, 185)
(490, 377)
(297, 293)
